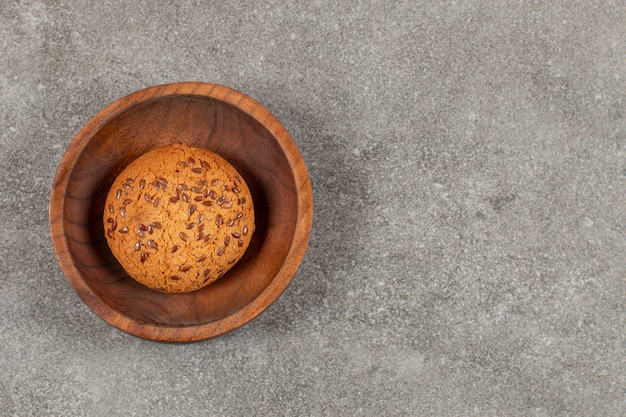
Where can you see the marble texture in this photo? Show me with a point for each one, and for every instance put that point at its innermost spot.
(468, 161)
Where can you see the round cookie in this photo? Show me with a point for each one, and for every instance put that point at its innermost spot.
(178, 217)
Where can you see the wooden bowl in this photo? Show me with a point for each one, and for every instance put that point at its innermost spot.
(205, 115)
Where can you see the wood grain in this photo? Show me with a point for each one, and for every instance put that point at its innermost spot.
(205, 115)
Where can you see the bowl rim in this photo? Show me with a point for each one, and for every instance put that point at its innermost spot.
(297, 248)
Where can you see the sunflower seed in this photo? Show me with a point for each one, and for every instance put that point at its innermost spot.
(201, 228)
(143, 257)
(152, 244)
(156, 185)
(197, 190)
(130, 180)
(175, 277)
(206, 239)
(226, 241)
(183, 236)
(137, 246)
(200, 236)
(245, 230)
(118, 195)
(143, 227)
(205, 165)
(150, 229)
(219, 220)
(186, 198)
(220, 251)
(110, 233)
(183, 187)
(123, 212)
(212, 194)
(197, 170)
(191, 209)
(173, 200)
(126, 186)
(182, 164)
(111, 208)
(231, 222)
(157, 201)
(127, 201)
(235, 190)
(206, 272)
(239, 216)
(200, 218)
(236, 235)
(185, 268)
(147, 197)
(140, 233)
(200, 258)
(191, 160)
(113, 226)
(123, 230)
(240, 243)
(163, 182)
(142, 184)
(215, 182)
(241, 200)
(174, 249)
(237, 180)
(202, 183)
(207, 203)
(198, 198)
(190, 225)
(227, 205)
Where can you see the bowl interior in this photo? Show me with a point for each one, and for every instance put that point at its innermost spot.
(199, 121)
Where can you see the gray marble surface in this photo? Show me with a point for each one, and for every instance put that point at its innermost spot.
(468, 162)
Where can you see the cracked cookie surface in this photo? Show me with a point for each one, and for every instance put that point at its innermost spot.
(178, 218)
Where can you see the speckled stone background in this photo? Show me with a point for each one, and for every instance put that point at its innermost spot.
(468, 161)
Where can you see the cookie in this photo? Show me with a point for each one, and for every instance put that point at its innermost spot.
(178, 217)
